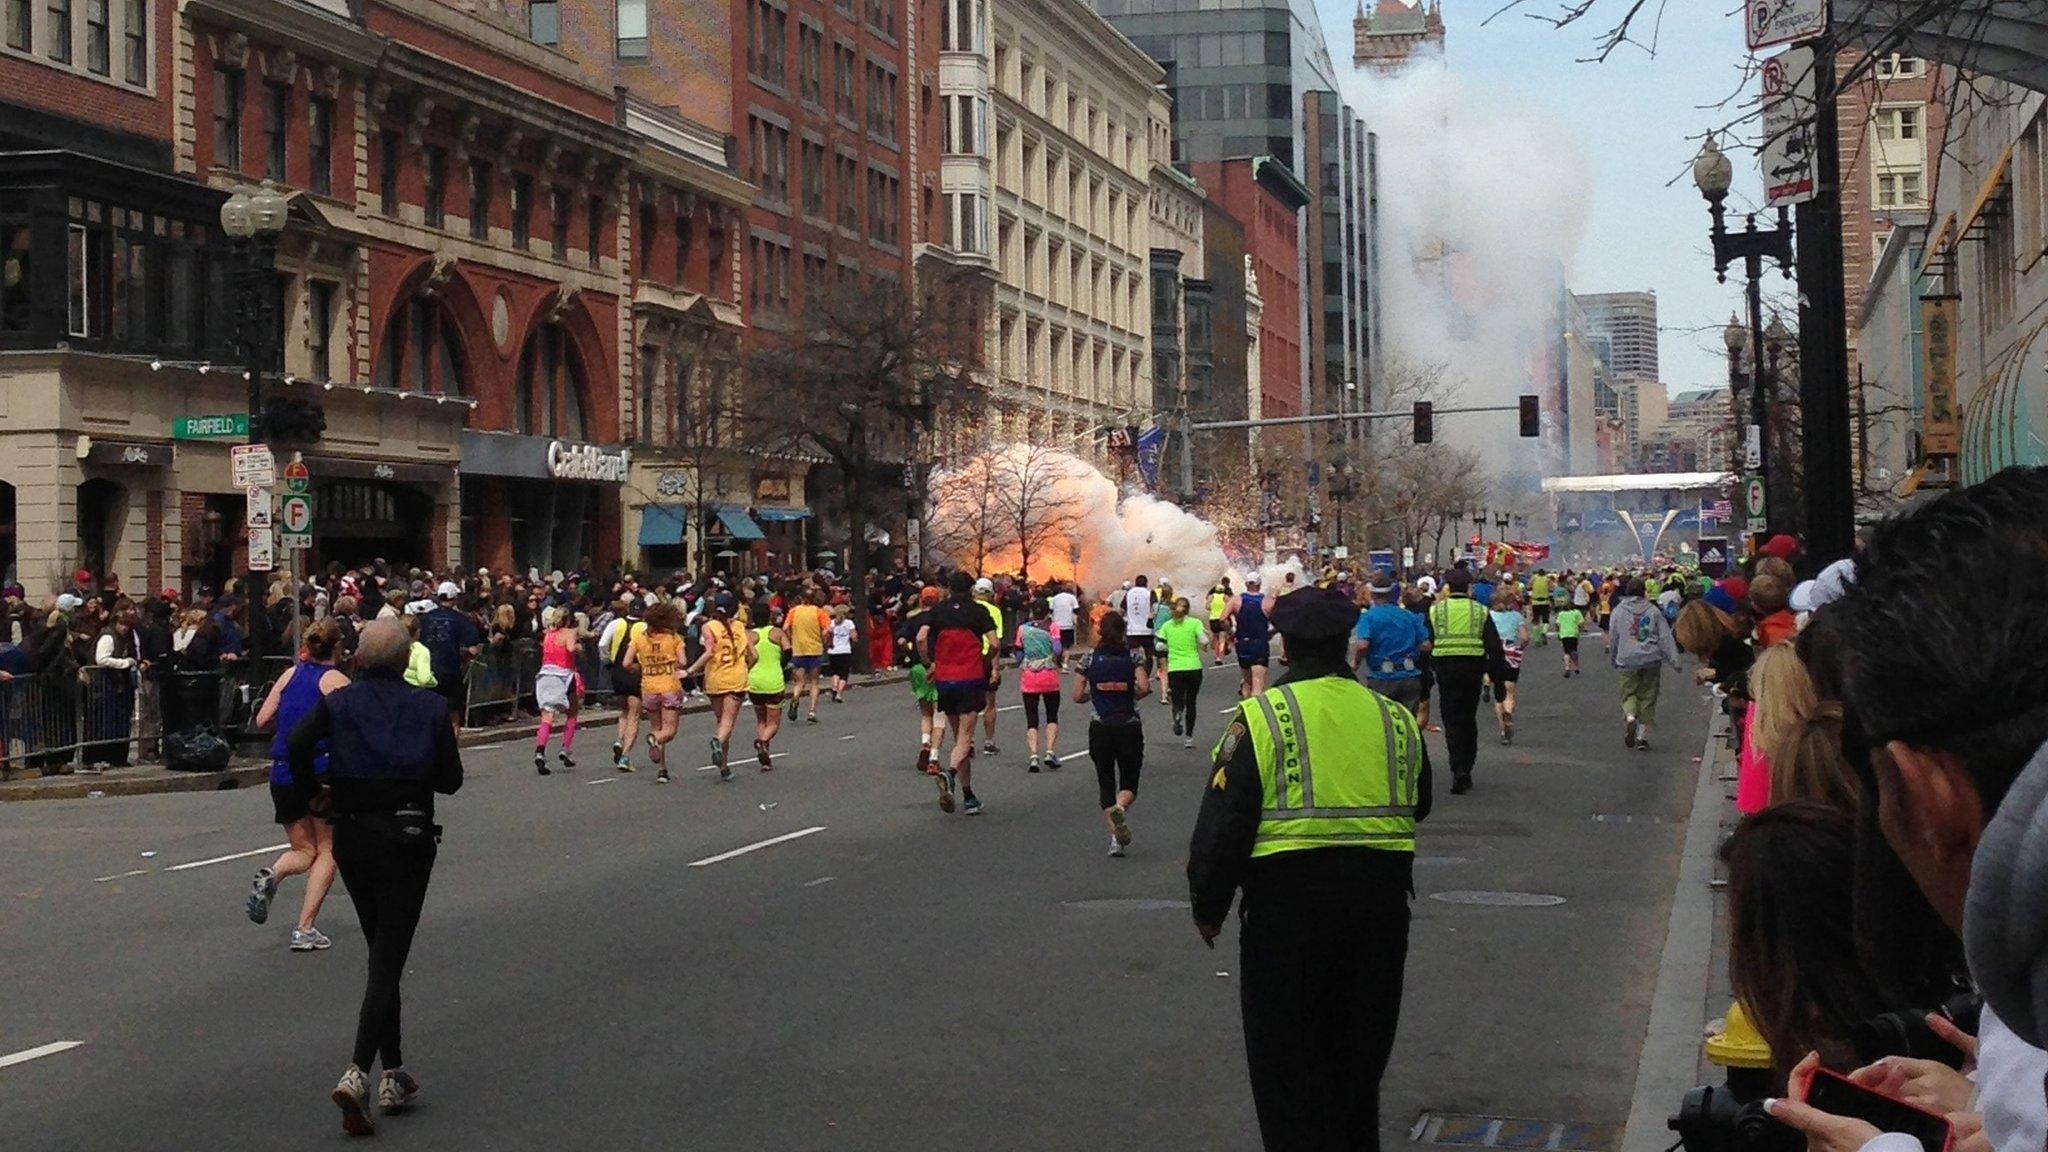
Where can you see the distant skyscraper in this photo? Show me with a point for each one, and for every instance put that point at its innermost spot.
(1395, 33)
(1625, 323)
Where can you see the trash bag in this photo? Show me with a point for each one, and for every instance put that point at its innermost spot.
(195, 750)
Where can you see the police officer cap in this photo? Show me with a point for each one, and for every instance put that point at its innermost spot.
(1315, 614)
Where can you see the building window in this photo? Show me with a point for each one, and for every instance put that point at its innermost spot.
(19, 29)
(60, 31)
(593, 212)
(843, 67)
(544, 21)
(650, 226)
(388, 143)
(884, 191)
(846, 191)
(964, 131)
(768, 165)
(320, 143)
(767, 43)
(550, 400)
(479, 200)
(277, 102)
(814, 178)
(522, 210)
(810, 41)
(78, 268)
(1900, 122)
(881, 103)
(632, 29)
(1898, 67)
(434, 186)
(98, 37)
(227, 118)
(967, 221)
(320, 327)
(419, 353)
(1900, 190)
(768, 288)
(558, 220)
(881, 15)
(960, 25)
(684, 226)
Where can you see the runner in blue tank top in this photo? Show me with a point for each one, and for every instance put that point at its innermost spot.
(1254, 637)
(292, 698)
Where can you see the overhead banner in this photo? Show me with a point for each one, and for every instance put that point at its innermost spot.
(1940, 431)
(1150, 442)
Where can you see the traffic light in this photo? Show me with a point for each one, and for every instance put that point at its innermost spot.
(291, 420)
(1425, 417)
(1531, 418)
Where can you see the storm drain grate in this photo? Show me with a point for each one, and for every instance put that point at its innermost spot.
(1462, 1130)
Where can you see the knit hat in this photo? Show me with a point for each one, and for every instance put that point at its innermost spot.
(2005, 915)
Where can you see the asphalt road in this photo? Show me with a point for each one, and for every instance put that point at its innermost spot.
(894, 979)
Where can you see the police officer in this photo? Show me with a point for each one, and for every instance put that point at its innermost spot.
(1462, 641)
(1312, 809)
(390, 749)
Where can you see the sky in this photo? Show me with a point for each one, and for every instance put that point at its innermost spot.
(1635, 122)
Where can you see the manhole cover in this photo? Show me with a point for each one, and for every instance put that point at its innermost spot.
(1127, 905)
(1427, 861)
(1499, 899)
(1462, 1130)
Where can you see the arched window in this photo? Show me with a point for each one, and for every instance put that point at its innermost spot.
(420, 352)
(550, 398)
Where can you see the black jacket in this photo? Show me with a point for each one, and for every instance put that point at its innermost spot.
(389, 747)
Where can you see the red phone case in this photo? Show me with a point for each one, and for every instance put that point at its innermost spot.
(1949, 1133)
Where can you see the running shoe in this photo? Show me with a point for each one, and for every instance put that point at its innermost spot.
(1121, 825)
(1032, 763)
(811, 718)
(396, 1091)
(661, 777)
(1507, 731)
(540, 762)
(262, 889)
(1188, 743)
(352, 1094)
(1052, 762)
(1628, 733)
(717, 753)
(1115, 849)
(973, 805)
(924, 759)
(792, 709)
(1642, 743)
(1176, 726)
(567, 760)
(761, 754)
(988, 747)
(618, 752)
(945, 779)
(310, 940)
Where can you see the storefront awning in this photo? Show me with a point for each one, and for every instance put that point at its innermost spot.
(739, 525)
(661, 525)
(774, 514)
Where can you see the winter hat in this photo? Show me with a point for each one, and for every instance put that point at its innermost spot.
(2005, 916)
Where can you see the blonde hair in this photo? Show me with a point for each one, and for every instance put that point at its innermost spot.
(1799, 732)
(1701, 628)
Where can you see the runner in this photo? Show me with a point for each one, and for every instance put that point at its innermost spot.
(922, 690)
(1138, 621)
(309, 834)
(1570, 621)
(1219, 619)
(954, 638)
(1639, 645)
(765, 681)
(1254, 638)
(625, 681)
(1039, 653)
(805, 626)
(1182, 635)
(984, 595)
(1162, 611)
(839, 650)
(724, 666)
(1507, 670)
(1540, 586)
(657, 655)
(1114, 682)
(1066, 610)
(557, 689)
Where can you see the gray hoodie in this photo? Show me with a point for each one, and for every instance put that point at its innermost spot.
(1638, 636)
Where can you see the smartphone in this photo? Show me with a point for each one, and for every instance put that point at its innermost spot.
(1836, 1094)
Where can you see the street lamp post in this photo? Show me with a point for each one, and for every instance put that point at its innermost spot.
(253, 218)
(1340, 492)
(1501, 520)
(1712, 174)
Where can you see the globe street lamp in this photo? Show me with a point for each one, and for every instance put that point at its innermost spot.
(1712, 174)
(253, 218)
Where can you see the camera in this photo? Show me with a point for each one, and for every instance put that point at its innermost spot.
(1905, 1033)
(1713, 1119)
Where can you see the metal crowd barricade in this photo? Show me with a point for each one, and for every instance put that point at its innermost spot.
(498, 681)
(595, 671)
(38, 723)
(106, 715)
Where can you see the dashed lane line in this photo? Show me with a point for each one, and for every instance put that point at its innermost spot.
(38, 1052)
(758, 845)
(225, 859)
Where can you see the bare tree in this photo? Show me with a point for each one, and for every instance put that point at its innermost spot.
(1040, 513)
(970, 516)
(861, 378)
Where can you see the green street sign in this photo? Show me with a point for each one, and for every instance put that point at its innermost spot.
(227, 426)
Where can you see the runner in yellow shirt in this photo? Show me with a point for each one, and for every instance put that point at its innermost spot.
(805, 626)
(728, 651)
(657, 655)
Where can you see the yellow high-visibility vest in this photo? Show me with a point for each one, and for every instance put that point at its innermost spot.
(1339, 767)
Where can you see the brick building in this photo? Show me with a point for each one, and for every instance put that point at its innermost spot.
(1265, 198)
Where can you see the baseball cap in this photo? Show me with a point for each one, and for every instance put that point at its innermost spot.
(418, 607)
(82, 576)
(984, 585)
(1825, 588)
(447, 590)
(1252, 581)
(68, 603)
(1782, 546)
(169, 594)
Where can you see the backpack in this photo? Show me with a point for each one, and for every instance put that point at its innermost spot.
(624, 640)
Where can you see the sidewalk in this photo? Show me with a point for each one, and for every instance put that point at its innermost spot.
(154, 779)
(1692, 979)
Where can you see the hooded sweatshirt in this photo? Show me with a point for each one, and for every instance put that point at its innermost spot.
(1639, 636)
(2005, 932)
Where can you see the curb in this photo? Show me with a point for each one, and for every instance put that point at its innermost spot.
(80, 786)
(1669, 1064)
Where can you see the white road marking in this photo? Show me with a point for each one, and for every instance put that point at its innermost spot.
(1011, 708)
(757, 846)
(730, 763)
(37, 1053)
(819, 880)
(121, 875)
(605, 780)
(225, 859)
(846, 737)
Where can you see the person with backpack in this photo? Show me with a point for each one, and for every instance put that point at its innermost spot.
(625, 626)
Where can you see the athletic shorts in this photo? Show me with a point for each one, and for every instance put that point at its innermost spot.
(962, 697)
(624, 683)
(1066, 639)
(1253, 660)
(1033, 701)
(1217, 626)
(1570, 644)
(804, 662)
(766, 699)
(456, 693)
(1541, 612)
(842, 664)
(921, 687)
(288, 807)
(663, 702)
(1504, 673)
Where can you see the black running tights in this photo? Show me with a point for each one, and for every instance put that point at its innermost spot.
(388, 884)
(1183, 687)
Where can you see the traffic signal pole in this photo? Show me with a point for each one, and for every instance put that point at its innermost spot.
(1329, 417)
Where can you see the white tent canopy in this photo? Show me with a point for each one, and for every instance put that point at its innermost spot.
(1639, 482)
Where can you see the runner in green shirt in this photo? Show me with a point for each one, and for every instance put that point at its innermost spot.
(1570, 619)
(1182, 635)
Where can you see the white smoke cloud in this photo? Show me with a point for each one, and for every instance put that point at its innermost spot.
(1482, 207)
